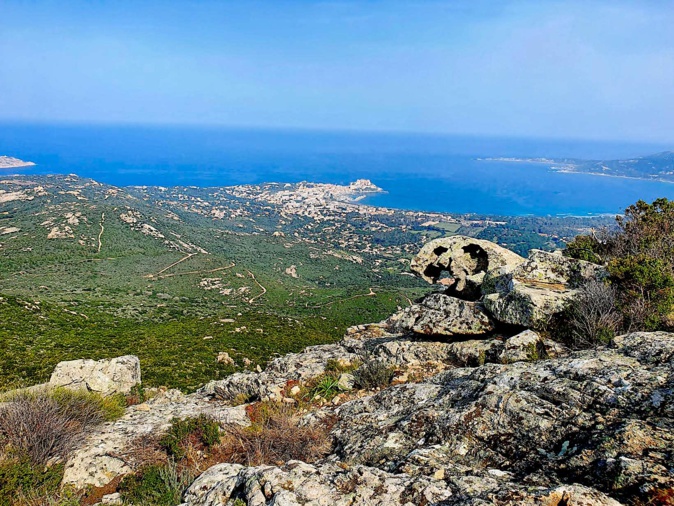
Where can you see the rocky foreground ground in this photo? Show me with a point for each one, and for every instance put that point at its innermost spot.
(483, 409)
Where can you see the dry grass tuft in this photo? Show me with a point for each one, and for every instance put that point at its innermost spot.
(46, 424)
(275, 437)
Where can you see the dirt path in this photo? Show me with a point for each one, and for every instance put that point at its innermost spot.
(100, 234)
(370, 294)
(264, 290)
(189, 255)
(196, 272)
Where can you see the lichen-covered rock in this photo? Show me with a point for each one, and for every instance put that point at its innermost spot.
(441, 315)
(554, 268)
(600, 418)
(532, 293)
(465, 259)
(108, 451)
(269, 384)
(297, 483)
(527, 345)
(106, 377)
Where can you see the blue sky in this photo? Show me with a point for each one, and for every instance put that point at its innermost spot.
(590, 69)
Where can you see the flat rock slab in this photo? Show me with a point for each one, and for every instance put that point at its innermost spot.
(107, 453)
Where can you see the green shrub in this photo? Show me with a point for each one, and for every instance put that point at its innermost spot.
(200, 430)
(373, 374)
(21, 478)
(157, 485)
(111, 407)
(639, 257)
(326, 387)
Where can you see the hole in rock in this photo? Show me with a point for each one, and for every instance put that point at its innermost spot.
(479, 259)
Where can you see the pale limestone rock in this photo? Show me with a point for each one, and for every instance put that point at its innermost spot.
(346, 381)
(224, 358)
(106, 377)
(465, 259)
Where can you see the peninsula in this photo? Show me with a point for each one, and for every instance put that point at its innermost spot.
(655, 167)
(7, 162)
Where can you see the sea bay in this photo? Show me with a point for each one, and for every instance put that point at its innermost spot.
(420, 172)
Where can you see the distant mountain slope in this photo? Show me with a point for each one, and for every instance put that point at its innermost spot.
(178, 275)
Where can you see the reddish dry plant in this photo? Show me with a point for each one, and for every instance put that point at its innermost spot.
(274, 437)
(661, 497)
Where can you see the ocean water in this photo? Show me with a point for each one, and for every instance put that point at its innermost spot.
(420, 172)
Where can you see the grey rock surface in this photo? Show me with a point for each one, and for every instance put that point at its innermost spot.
(441, 315)
(297, 483)
(532, 293)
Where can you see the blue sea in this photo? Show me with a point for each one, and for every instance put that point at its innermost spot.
(419, 172)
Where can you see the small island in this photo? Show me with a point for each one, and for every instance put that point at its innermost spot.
(7, 162)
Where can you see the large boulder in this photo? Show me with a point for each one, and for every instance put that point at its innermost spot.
(441, 315)
(465, 260)
(533, 292)
(106, 377)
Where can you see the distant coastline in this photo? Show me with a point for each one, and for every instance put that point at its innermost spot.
(7, 162)
(611, 168)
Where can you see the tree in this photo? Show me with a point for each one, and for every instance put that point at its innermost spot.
(640, 259)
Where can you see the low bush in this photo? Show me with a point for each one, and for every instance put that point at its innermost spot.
(195, 432)
(156, 485)
(639, 257)
(22, 483)
(43, 424)
(592, 315)
(275, 436)
(21, 476)
(373, 374)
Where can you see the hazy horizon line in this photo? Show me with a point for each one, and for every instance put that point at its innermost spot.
(324, 130)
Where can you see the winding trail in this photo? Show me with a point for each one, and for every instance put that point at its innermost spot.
(196, 272)
(100, 234)
(264, 290)
(371, 294)
(189, 255)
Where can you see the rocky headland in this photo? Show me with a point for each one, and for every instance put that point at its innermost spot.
(481, 407)
(7, 162)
